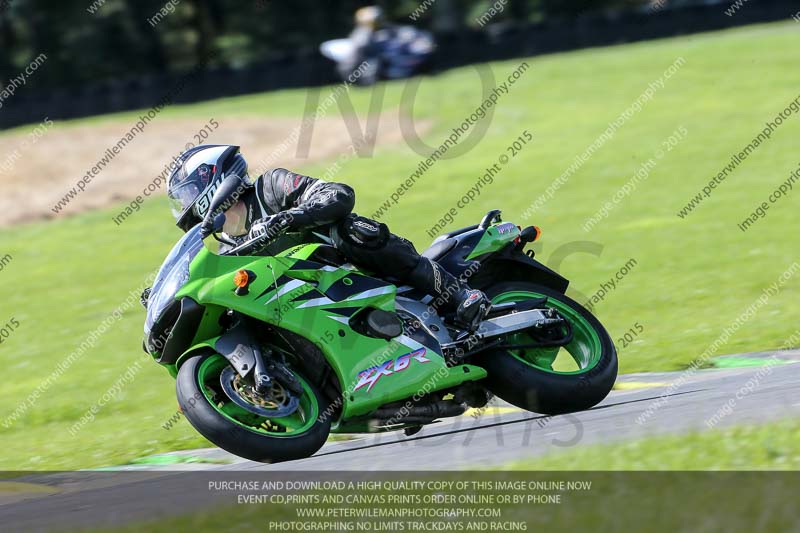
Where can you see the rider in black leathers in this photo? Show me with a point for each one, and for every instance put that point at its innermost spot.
(283, 201)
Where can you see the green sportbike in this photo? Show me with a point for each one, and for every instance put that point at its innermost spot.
(272, 353)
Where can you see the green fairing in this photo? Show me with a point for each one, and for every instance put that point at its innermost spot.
(348, 352)
(377, 367)
(493, 240)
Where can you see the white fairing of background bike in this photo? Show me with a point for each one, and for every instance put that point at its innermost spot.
(338, 49)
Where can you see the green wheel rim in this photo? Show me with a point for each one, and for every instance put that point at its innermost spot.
(295, 424)
(585, 349)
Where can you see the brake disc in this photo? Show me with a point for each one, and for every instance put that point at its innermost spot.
(276, 403)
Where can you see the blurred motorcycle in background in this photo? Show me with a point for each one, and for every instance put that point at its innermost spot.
(375, 51)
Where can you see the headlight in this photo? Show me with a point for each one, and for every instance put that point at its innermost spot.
(162, 295)
(172, 276)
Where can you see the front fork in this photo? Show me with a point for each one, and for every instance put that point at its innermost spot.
(238, 346)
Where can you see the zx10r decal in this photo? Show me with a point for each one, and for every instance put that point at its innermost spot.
(371, 376)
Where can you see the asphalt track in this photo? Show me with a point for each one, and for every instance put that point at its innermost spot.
(676, 403)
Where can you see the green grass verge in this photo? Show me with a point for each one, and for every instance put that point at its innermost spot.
(773, 446)
(693, 276)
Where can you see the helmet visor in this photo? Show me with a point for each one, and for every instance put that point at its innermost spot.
(182, 196)
(188, 181)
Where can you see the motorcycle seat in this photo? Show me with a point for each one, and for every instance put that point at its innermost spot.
(438, 249)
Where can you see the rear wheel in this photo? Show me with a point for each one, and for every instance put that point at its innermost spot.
(278, 426)
(552, 380)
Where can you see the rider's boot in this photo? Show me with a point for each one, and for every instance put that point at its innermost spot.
(470, 305)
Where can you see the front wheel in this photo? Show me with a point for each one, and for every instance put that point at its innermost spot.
(573, 377)
(224, 409)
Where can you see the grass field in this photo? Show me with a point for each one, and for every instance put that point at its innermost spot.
(774, 446)
(693, 276)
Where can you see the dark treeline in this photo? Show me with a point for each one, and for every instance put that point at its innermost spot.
(98, 40)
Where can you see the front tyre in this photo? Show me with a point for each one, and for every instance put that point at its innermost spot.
(557, 380)
(214, 415)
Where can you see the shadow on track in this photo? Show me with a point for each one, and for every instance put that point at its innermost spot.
(497, 424)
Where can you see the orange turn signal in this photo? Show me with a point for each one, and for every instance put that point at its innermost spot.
(241, 279)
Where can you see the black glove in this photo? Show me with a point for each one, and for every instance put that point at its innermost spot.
(268, 228)
(210, 225)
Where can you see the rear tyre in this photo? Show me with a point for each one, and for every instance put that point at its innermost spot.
(537, 379)
(259, 438)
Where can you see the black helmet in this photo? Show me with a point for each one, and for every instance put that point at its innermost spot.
(195, 176)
